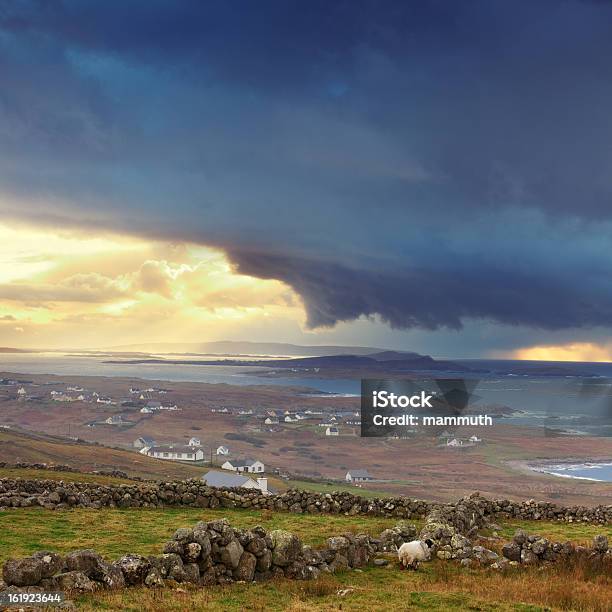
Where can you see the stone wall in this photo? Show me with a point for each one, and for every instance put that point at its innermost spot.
(210, 553)
(53, 494)
(532, 549)
(216, 553)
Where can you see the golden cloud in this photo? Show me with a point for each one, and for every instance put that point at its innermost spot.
(75, 289)
(575, 351)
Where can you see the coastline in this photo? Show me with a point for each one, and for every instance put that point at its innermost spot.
(552, 467)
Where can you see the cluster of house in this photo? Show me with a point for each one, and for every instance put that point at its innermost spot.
(273, 419)
(152, 405)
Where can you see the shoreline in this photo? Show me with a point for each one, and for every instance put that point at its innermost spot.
(549, 466)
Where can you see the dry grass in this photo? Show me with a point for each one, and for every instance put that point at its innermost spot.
(27, 473)
(438, 586)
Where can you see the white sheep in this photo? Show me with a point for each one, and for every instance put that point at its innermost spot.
(412, 553)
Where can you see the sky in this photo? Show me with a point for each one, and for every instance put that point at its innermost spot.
(432, 176)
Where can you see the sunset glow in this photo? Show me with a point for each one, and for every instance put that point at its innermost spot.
(63, 289)
(578, 351)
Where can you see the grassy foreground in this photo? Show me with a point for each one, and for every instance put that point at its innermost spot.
(113, 532)
(436, 586)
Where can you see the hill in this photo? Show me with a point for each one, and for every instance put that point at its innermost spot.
(33, 447)
(228, 347)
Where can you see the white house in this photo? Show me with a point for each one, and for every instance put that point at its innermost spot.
(143, 442)
(358, 476)
(454, 442)
(332, 431)
(215, 478)
(271, 421)
(290, 418)
(146, 410)
(475, 439)
(244, 465)
(223, 450)
(194, 442)
(21, 391)
(177, 452)
(116, 419)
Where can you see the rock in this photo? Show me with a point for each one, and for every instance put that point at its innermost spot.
(338, 543)
(600, 543)
(256, 546)
(230, 554)
(23, 572)
(172, 567)
(380, 562)
(520, 537)
(286, 547)
(246, 567)
(192, 552)
(192, 572)
(110, 575)
(264, 561)
(512, 551)
(528, 557)
(201, 537)
(340, 563)
(297, 570)
(183, 535)
(52, 562)
(72, 581)
(484, 554)
(86, 561)
(539, 547)
(173, 547)
(134, 568)
(154, 578)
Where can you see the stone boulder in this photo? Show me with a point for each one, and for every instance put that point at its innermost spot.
(512, 551)
(52, 562)
(23, 572)
(230, 554)
(246, 567)
(134, 567)
(71, 581)
(286, 547)
(600, 543)
(86, 561)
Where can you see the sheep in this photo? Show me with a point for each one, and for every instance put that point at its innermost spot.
(412, 553)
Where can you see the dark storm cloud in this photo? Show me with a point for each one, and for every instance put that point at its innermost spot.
(428, 162)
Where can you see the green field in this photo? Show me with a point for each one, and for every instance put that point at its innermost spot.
(113, 531)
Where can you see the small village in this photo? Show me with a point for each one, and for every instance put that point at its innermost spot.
(137, 408)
